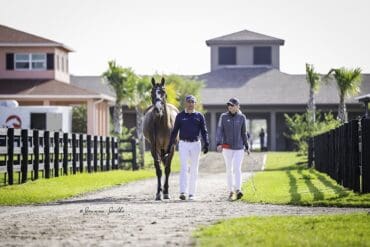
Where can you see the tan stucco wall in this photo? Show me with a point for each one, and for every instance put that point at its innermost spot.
(59, 74)
(244, 56)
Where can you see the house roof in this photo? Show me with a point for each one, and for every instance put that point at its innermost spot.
(262, 86)
(10, 37)
(46, 88)
(95, 83)
(244, 37)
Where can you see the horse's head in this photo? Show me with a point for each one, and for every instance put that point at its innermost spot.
(158, 96)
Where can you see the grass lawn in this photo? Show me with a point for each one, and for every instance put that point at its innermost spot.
(47, 190)
(287, 180)
(323, 230)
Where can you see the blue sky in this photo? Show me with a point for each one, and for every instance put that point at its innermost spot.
(168, 36)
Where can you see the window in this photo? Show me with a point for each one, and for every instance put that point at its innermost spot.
(227, 55)
(30, 61)
(38, 61)
(22, 61)
(262, 55)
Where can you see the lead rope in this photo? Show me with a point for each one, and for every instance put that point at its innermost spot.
(252, 174)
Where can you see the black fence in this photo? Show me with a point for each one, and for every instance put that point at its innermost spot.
(29, 153)
(344, 154)
(128, 148)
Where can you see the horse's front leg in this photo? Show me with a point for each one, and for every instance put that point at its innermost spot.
(159, 176)
(167, 171)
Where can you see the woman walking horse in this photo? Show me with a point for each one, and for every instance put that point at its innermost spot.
(159, 121)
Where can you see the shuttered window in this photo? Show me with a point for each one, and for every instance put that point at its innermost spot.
(30, 61)
(227, 55)
(262, 55)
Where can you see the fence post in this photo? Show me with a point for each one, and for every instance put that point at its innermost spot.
(134, 158)
(365, 148)
(74, 153)
(10, 161)
(107, 153)
(81, 154)
(56, 154)
(24, 151)
(88, 146)
(36, 153)
(355, 171)
(101, 153)
(47, 153)
(113, 148)
(95, 153)
(65, 153)
(310, 152)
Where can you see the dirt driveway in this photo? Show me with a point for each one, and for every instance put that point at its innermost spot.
(128, 215)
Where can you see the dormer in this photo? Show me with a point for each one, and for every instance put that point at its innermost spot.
(24, 55)
(245, 49)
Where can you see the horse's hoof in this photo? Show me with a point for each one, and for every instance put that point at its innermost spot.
(158, 197)
(166, 196)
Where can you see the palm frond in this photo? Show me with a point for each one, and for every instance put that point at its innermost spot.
(312, 77)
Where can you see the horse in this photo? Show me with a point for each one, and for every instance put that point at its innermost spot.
(159, 120)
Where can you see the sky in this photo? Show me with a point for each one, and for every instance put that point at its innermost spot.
(168, 36)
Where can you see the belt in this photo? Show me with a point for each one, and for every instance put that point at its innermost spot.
(189, 140)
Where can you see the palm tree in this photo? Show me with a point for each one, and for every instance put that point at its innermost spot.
(313, 80)
(348, 83)
(185, 86)
(116, 78)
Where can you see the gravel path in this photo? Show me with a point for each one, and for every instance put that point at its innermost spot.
(128, 215)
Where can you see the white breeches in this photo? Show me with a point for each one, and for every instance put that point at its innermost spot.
(189, 160)
(233, 162)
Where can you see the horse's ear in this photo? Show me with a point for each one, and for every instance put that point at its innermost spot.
(153, 81)
(162, 81)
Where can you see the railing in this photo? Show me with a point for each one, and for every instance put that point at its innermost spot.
(128, 146)
(344, 154)
(30, 152)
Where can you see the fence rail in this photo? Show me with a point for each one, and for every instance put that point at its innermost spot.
(344, 154)
(53, 154)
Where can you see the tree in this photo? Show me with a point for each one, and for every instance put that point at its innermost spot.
(79, 116)
(116, 77)
(300, 128)
(313, 80)
(185, 86)
(348, 83)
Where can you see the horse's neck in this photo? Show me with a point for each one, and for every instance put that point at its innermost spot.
(164, 121)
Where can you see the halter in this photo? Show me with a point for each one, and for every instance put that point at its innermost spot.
(159, 98)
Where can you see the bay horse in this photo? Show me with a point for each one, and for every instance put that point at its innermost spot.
(159, 120)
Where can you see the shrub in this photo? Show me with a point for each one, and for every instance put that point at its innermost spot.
(301, 128)
(79, 119)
